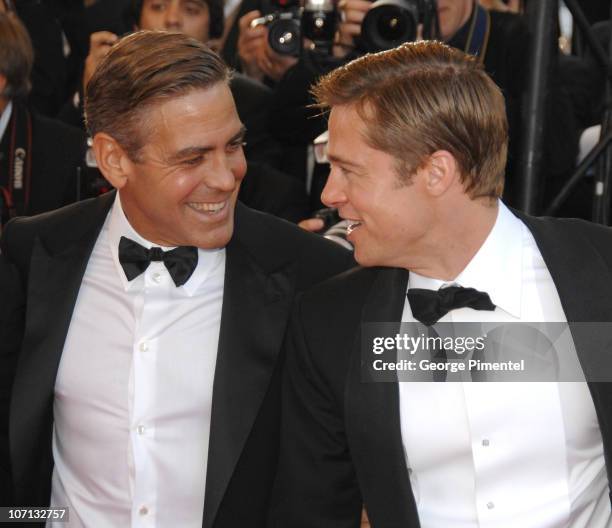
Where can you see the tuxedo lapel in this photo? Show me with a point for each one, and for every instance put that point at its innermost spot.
(372, 415)
(256, 305)
(56, 271)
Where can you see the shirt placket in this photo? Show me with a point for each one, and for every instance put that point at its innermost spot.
(143, 422)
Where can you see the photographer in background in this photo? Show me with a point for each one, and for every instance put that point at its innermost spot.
(39, 157)
(256, 58)
(499, 40)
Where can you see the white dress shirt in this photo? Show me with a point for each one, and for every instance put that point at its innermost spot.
(134, 390)
(504, 455)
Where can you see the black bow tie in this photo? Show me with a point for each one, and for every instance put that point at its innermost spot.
(428, 306)
(135, 259)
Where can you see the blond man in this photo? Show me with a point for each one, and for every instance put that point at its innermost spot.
(417, 145)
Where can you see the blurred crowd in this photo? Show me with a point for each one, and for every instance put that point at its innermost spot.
(49, 50)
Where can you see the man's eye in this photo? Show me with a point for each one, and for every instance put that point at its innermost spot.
(236, 146)
(193, 161)
(156, 6)
(194, 9)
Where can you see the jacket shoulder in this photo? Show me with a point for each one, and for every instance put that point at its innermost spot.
(275, 243)
(338, 301)
(62, 226)
(598, 235)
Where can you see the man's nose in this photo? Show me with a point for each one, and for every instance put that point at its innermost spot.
(333, 194)
(174, 18)
(224, 173)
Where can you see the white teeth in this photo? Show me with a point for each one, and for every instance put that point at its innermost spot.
(352, 226)
(207, 207)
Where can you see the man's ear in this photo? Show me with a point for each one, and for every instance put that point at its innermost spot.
(441, 172)
(112, 159)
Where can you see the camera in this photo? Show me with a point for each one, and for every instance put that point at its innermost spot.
(289, 25)
(390, 23)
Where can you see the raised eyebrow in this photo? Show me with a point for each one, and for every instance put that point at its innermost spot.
(239, 135)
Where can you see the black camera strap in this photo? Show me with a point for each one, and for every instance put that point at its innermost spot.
(15, 187)
(480, 30)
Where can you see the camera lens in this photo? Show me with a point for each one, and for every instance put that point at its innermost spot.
(284, 36)
(392, 26)
(319, 26)
(390, 23)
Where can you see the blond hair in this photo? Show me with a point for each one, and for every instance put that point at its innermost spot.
(422, 97)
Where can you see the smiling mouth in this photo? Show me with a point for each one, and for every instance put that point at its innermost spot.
(354, 224)
(208, 207)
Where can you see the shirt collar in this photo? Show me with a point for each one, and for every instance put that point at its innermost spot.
(119, 225)
(497, 267)
(5, 118)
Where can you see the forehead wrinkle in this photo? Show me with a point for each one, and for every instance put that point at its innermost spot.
(200, 149)
(164, 120)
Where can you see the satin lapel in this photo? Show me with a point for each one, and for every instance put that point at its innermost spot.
(373, 420)
(584, 284)
(54, 280)
(256, 305)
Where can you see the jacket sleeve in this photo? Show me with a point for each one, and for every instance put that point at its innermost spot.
(316, 485)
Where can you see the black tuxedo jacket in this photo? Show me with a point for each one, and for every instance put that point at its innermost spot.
(341, 443)
(41, 267)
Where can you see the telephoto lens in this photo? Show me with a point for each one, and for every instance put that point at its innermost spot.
(390, 23)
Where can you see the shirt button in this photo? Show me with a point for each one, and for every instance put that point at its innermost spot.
(490, 505)
(143, 510)
(485, 442)
(144, 346)
(157, 278)
(141, 429)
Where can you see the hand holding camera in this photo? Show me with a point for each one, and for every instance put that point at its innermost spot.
(256, 55)
(352, 13)
(384, 24)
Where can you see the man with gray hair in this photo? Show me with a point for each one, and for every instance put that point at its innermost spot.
(145, 339)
